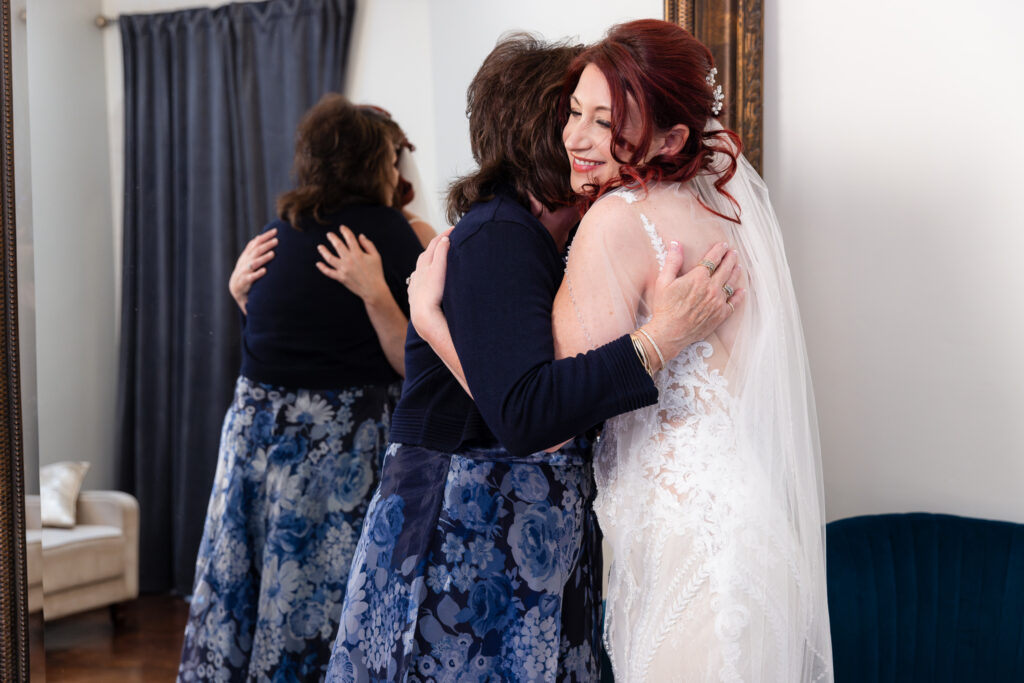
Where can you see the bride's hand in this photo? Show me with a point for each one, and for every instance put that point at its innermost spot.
(426, 287)
(688, 308)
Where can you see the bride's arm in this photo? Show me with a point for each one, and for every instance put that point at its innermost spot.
(599, 297)
(610, 265)
(612, 277)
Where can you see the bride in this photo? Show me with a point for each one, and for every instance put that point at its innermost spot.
(710, 499)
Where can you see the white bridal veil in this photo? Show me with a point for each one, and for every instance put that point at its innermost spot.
(712, 499)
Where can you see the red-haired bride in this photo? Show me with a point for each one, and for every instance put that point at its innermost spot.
(711, 499)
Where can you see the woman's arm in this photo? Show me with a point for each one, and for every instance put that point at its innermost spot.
(251, 266)
(502, 276)
(500, 313)
(426, 286)
(610, 266)
(424, 231)
(356, 263)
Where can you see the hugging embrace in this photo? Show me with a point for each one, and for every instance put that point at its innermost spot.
(472, 551)
(479, 559)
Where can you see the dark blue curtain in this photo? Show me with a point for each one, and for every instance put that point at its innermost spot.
(212, 100)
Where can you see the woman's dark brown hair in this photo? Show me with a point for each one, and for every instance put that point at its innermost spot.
(341, 157)
(404, 193)
(515, 126)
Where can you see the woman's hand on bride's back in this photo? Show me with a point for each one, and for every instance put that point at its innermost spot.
(689, 307)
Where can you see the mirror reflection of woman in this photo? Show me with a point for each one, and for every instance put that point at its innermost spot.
(711, 498)
(301, 443)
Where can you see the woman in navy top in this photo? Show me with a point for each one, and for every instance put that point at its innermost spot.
(300, 447)
(480, 556)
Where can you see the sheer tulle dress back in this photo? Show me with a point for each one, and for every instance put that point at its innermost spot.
(711, 499)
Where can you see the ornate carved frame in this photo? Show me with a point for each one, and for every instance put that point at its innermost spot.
(14, 660)
(734, 30)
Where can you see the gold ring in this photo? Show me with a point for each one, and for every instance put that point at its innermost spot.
(729, 291)
(731, 307)
(710, 266)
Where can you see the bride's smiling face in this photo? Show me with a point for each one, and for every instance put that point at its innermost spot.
(588, 132)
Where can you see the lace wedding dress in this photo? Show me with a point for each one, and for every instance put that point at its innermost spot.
(711, 499)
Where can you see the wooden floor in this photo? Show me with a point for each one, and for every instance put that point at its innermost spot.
(141, 641)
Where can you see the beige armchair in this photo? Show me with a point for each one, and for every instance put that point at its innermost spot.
(93, 564)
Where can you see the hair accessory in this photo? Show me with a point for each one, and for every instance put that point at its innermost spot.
(716, 90)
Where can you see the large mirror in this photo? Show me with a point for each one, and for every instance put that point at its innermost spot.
(890, 146)
(66, 76)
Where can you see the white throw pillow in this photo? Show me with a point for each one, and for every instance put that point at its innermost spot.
(59, 485)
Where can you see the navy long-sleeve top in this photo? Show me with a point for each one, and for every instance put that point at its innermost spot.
(504, 270)
(305, 330)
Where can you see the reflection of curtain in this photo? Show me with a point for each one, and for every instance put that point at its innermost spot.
(212, 100)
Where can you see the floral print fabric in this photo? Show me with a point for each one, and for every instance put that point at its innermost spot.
(295, 474)
(475, 567)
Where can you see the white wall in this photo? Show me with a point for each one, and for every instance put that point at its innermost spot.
(893, 149)
(72, 232)
(25, 249)
(390, 66)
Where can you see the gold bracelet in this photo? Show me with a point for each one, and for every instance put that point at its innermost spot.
(641, 353)
(646, 356)
(651, 339)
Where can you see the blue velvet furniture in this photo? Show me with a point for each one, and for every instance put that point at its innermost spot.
(929, 598)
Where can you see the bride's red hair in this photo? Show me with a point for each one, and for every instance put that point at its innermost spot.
(663, 69)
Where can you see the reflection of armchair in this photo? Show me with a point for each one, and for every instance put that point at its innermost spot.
(921, 597)
(34, 553)
(93, 564)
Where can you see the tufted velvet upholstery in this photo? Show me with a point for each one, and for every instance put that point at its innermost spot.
(923, 597)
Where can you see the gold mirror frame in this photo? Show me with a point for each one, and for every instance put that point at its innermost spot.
(734, 30)
(14, 660)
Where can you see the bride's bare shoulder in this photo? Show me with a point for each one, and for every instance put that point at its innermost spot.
(616, 204)
(609, 219)
(679, 214)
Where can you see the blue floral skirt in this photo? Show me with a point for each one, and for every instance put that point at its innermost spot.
(475, 567)
(294, 478)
